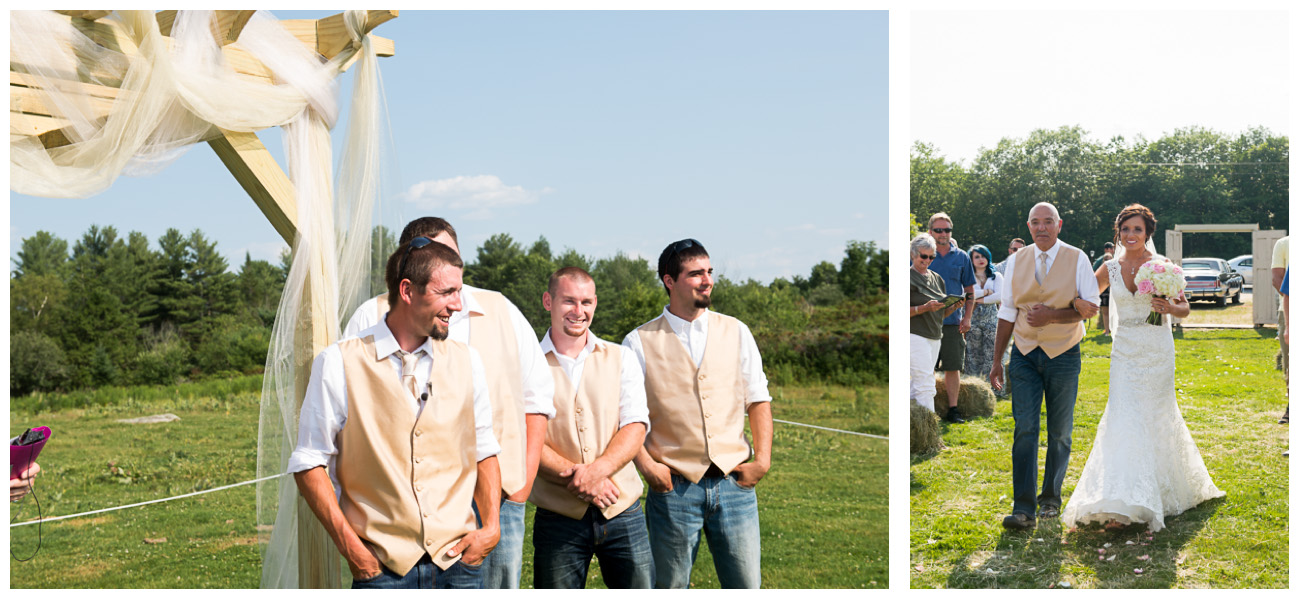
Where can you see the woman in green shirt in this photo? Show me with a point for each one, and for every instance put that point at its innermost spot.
(927, 313)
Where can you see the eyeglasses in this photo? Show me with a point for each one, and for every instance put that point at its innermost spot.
(416, 244)
(682, 245)
(925, 256)
(942, 230)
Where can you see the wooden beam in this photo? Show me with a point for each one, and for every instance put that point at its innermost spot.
(89, 15)
(257, 172)
(1211, 228)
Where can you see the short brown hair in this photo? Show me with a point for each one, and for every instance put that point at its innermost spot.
(429, 227)
(936, 217)
(676, 253)
(1136, 210)
(420, 264)
(575, 273)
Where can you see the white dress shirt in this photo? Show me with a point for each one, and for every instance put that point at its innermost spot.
(537, 384)
(632, 406)
(325, 406)
(694, 334)
(1085, 280)
(993, 284)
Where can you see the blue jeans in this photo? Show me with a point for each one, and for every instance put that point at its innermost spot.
(562, 549)
(426, 575)
(1035, 378)
(728, 515)
(502, 568)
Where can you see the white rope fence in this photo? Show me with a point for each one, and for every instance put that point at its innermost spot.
(268, 477)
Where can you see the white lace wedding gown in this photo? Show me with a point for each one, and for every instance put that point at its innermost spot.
(1144, 465)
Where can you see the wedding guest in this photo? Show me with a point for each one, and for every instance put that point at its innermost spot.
(926, 312)
(953, 264)
(1102, 315)
(984, 325)
(1279, 268)
(1285, 289)
(1015, 246)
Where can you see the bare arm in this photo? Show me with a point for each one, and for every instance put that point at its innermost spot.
(1278, 274)
(1040, 315)
(535, 426)
(477, 544)
(316, 489)
(591, 481)
(1103, 278)
(552, 464)
(657, 475)
(999, 348)
(760, 425)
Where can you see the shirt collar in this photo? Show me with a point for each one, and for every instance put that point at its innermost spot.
(1050, 252)
(548, 346)
(680, 325)
(386, 344)
(469, 304)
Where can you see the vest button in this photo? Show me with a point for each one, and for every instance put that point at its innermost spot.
(426, 515)
(417, 433)
(706, 415)
(579, 411)
(703, 376)
(586, 449)
(419, 488)
(417, 459)
(428, 542)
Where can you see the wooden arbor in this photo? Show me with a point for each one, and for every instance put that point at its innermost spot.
(1263, 297)
(252, 166)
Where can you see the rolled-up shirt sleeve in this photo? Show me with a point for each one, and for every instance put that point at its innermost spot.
(751, 369)
(1085, 281)
(1007, 311)
(632, 407)
(324, 411)
(538, 385)
(485, 441)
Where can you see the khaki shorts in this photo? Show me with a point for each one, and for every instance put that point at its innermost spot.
(952, 351)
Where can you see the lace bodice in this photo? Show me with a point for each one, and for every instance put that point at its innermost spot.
(1129, 309)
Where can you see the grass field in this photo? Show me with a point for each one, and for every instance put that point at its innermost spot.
(823, 507)
(1230, 396)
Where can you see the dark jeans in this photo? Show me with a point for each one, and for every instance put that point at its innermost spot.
(1035, 378)
(426, 575)
(563, 547)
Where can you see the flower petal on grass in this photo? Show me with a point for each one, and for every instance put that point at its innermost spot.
(1145, 557)
(1137, 571)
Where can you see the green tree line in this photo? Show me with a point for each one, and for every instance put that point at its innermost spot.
(118, 311)
(1191, 176)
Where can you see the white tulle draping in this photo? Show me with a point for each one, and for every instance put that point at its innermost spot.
(150, 97)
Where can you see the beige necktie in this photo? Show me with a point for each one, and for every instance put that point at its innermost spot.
(1041, 271)
(408, 371)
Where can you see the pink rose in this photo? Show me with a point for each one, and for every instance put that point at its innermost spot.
(1146, 286)
(1158, 267)
(1178, 270)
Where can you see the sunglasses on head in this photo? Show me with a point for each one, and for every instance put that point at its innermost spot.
(925, 256)
(942, 230)
(416, 244)
(682, 245)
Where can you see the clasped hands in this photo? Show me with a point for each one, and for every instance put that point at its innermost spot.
(591, 483)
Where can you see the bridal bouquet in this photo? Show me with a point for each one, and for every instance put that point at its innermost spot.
(1161, 278)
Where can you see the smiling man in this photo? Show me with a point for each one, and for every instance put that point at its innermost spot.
(587, 492)
(520, 385)
(401, 417)
(703, 374)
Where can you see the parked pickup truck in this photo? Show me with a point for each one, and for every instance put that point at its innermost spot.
(1212, 279)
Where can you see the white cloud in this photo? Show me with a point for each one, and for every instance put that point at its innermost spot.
(477, 195)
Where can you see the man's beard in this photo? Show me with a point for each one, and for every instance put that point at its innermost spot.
(703, 302)
(439, 333)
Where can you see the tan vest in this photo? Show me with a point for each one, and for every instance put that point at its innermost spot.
(585, 421)
(493, 335)
(1057, 291)
(407, 483)
(697, 415)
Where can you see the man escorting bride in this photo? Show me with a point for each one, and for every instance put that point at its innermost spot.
(1144, 465)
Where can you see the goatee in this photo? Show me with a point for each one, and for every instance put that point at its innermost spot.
(439, 333)
(703, 302)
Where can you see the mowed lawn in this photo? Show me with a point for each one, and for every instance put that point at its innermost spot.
(1231, 397)
(823, 507)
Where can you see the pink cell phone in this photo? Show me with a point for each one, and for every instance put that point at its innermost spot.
(24, 449)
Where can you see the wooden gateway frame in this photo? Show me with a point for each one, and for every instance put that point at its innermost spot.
(253, 167)
(1263, 298)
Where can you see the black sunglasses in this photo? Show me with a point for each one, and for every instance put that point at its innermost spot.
(682, 245)
(416, 244)
(925, 256)
(942, 230)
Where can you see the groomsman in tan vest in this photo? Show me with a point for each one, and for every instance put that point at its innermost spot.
(1044, 279)
(520, 385)
(703, 374)
(395, 437)
(587, 492)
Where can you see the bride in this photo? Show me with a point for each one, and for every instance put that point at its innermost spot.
(1144, 465)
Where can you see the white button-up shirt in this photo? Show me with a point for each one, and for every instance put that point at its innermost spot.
(1085, 280)
(631, 399)
(325, 406)
(694, 334)
(538, 386)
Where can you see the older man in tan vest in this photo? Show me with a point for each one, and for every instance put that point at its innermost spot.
(703, 374)
(400, 416)
(587, 492)
(521, 389)
(1043, 281)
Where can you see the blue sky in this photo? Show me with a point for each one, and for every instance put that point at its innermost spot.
(762, 134)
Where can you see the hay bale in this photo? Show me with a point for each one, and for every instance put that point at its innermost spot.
(974, 397)
(925, 430)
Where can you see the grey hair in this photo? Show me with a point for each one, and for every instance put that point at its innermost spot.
(924, 240)
(1055, 215)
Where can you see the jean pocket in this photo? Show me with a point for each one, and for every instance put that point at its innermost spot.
(732, 479)
(511, 502)
(476, 567)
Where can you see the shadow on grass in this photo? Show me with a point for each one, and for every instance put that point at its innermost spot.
(1050, 554)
